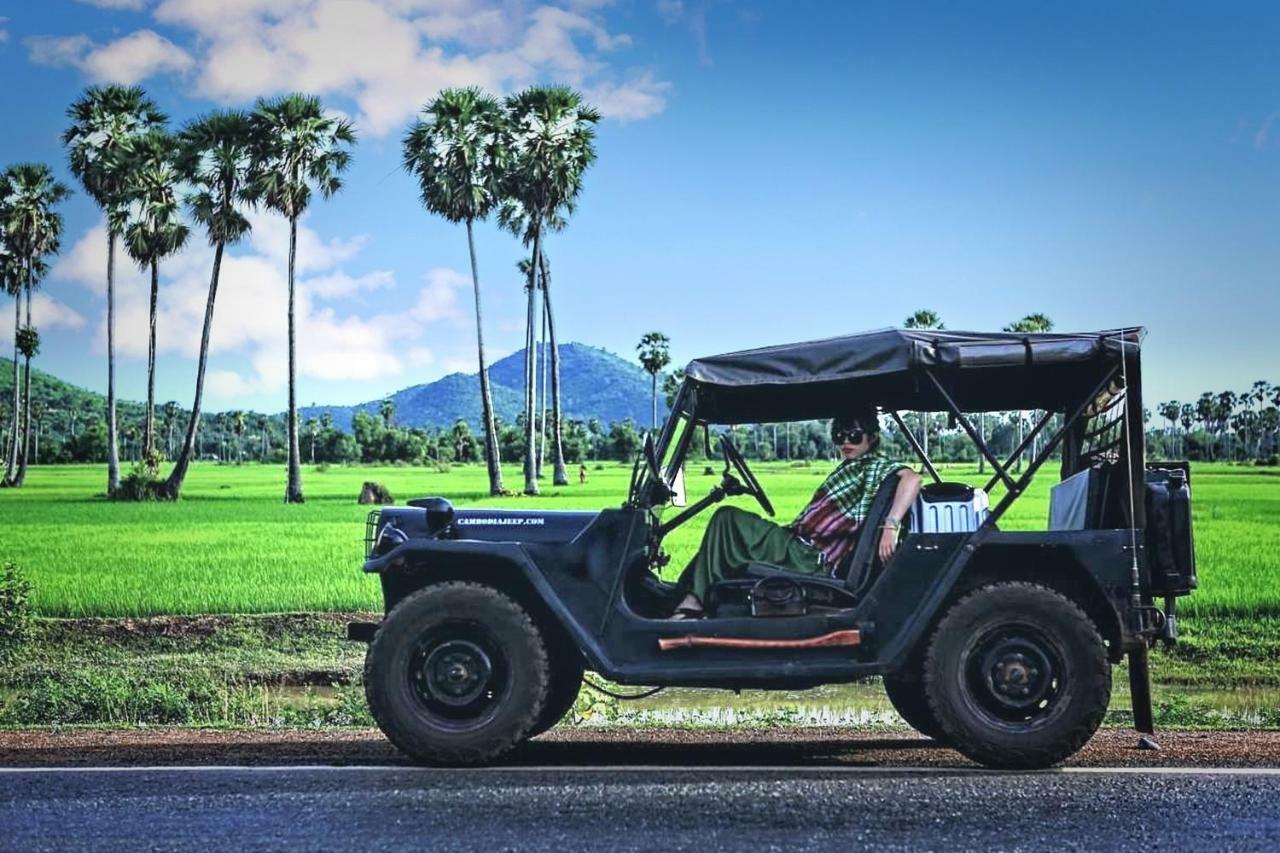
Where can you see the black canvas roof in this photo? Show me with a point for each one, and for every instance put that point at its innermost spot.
(983, 371)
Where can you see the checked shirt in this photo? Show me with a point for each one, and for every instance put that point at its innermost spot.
(840, 504)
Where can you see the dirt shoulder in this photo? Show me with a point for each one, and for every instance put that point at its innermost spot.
(791, 747)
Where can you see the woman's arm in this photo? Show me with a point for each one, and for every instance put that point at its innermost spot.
(903, 497)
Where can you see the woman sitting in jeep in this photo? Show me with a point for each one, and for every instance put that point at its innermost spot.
(822, 534)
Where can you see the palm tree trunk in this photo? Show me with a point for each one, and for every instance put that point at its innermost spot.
(492, 461)
(21, 476)
(653, 399)
(173, 486)
(113, 434)
(561, 475)
(530, 468)
(293, 492)
(542, 386)
(149, 420)
(11, 457)
(982, 433)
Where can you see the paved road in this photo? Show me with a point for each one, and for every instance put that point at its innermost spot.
(638, 808)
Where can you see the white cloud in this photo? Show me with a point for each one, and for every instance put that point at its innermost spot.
(638, 98)
(46, 313)
(4, 33)
(387, 56)
(250, 317)
(339, 284)
(127, 60)
(128, 5)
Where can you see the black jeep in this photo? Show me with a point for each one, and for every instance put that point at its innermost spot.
(998, 643)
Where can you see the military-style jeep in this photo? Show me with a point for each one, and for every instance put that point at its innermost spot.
(999, 643)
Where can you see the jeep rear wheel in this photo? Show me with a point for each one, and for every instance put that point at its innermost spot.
(457, 674)
(1017, 676)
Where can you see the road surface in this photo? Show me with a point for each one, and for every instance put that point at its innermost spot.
(637, 808)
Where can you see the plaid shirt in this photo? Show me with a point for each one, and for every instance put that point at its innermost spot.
(838, 506)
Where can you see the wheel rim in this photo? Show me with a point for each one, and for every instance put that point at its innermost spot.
(1014, 674)
(458, 675)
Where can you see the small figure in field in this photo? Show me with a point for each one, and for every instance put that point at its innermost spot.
(582, 472)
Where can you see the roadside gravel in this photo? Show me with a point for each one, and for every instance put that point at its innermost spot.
(585, 746)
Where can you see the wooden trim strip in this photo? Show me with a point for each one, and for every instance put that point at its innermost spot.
(850, 637)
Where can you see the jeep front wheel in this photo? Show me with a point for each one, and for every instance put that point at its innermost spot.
(1017, 676)
(457, 674)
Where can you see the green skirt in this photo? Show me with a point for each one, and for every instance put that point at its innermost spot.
(735, 538)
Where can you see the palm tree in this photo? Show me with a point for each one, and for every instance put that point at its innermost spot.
(927, 319)
(457, 151)
(103, 120)
(171, 410)
(299, 147)
(387, 410)
(11, 282)
(153, 230)
(1030, 324)
(238, 424)
(553, 143)
(1205, 408)
(218, 163)
(33, 231)
(654, 355)
(312, 427)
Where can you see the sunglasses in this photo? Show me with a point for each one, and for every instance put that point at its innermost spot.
(852, 436)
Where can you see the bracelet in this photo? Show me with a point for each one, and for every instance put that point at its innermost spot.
(891, 524)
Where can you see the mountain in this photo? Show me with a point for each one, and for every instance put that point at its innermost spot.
(594, 383)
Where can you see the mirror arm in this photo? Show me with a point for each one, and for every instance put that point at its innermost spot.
(716, 495)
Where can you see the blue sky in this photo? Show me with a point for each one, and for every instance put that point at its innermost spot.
(768, 172)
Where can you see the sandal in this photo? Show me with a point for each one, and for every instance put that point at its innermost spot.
(683, 613)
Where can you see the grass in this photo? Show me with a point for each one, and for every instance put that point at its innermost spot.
(233, 546)
(294, 670)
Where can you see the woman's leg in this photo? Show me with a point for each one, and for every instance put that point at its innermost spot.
(734, 538)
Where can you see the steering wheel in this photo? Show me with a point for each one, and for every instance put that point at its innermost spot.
(732, 457)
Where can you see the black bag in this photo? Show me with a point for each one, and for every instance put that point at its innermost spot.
(1170, 546)
(778, 596)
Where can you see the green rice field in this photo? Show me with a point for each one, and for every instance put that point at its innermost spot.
(232, 546)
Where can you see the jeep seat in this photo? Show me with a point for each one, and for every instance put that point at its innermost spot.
(842, 587)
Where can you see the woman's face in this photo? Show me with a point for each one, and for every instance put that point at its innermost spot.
(852, 441)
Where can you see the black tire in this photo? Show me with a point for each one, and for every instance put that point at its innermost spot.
(1017, 676)
(908, 699)
(566, 684)
(457, 674)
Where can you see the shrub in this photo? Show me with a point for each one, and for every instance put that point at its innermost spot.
(141, 484)
(16, 619)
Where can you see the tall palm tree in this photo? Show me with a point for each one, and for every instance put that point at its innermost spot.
(171, 410)
(153, 230)
(655, 354)
(553, 143)
(103, 120)
(457, 151)
(11, 285)
(217, 159)
(33, 231)
(387, 411)
(1033, 324)
(299, 148)
(927, 319)
(238, 424)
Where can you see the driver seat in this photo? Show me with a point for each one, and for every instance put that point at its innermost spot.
(841, 589)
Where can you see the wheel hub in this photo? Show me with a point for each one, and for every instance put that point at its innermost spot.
(457, 672)
(1014, 675)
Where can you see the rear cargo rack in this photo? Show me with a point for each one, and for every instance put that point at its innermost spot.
(371, 532)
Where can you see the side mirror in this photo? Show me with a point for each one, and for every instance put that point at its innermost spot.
(678, 497)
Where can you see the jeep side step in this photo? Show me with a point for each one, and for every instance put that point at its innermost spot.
(849, 637)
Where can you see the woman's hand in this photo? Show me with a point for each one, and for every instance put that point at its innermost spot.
(888, 543)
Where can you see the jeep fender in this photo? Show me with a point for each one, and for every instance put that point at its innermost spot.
(503, 565)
